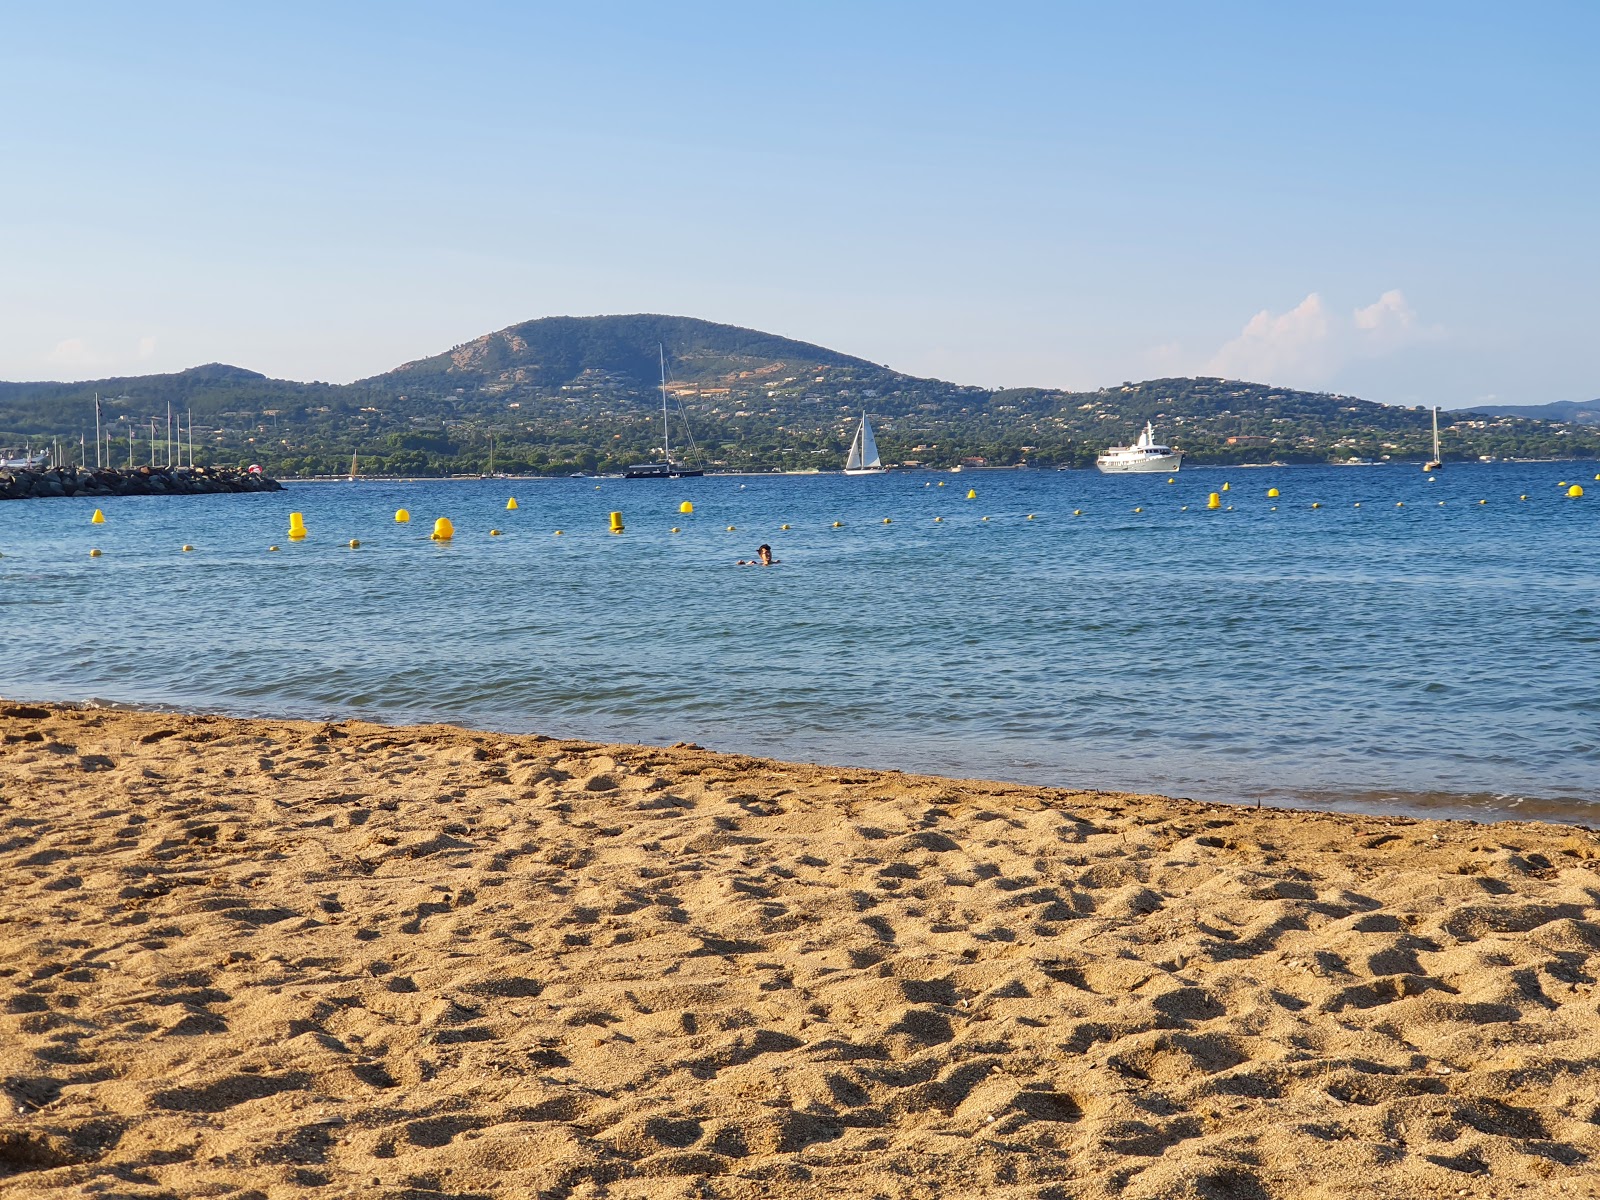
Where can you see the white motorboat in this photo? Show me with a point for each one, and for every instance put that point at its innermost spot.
(1144, 455)
(25, 460)
(863, 458)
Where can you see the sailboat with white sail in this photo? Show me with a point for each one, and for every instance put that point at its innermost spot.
(666, 469)
(1434, 463)
(863, 458)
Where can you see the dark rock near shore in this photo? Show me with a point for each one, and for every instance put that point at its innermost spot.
(141, 481)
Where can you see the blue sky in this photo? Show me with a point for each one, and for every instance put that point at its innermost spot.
(1395, 201)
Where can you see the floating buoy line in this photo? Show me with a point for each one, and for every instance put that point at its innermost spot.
(444, 529)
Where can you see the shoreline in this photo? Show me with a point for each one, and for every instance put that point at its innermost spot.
(1369, 802)
(426, 960)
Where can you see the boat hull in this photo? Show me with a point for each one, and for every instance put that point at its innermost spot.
(866, 470)
(661, 471)
(1151, 465)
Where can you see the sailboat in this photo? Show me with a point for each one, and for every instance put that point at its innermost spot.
(352, 466)
(1434, 463)
(863, 458)
(665, 469)
(490, 473)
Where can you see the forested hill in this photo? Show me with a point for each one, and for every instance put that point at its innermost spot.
(557, 352)
(564, 394)
(1579, 412)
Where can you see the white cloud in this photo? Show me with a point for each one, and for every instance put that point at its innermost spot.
(73, 352)
(1294, 344)
(1307, 345)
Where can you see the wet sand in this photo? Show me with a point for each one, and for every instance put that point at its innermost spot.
(265, 959)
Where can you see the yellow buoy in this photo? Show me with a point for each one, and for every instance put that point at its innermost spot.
(187, 547)
(936, 520)
(402, 516)
(443, 531)
(887, 521)
(941, 483)
(297, 525)
(99, 518)
(1483, 502)
(355, 543)
(783, 527)
(1575, 491)
(985, 518)
(494, 533)
(675, 529)
(1314, 504)
(1563, 483)
(94, 554)
(1185, 508)
(511, 504)
(1272, 493)
(838, 524)
(1225, 486)
(557, 533)
(1358, 504)
(1399, 503)
(1030, 516)
(686, 507)
(1213, 501)
(1524, 496)
(972, 493)
(1171, 480)
(272, 549)
(1135, 510)
(731, 528)
(1077, 512)
(616, 522)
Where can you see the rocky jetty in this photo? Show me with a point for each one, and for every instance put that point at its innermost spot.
(139, 481)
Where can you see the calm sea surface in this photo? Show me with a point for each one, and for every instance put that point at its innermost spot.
(1440, 658)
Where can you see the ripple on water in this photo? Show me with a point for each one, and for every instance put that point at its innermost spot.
(1424, 658)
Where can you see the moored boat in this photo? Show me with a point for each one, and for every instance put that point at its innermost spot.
(863, 458)
(1146, 454)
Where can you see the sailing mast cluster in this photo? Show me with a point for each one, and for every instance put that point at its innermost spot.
(172, 448)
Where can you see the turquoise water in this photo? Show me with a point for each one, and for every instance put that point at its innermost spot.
(1440, 658)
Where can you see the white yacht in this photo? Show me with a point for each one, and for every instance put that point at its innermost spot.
(24, 460)
(1143, 455)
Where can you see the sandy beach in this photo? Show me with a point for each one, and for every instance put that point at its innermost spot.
(261, 958)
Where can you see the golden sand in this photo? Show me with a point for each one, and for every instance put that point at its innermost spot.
(265, 959)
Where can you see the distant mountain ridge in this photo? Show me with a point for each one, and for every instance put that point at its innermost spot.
(564, 394)
(1581, 412)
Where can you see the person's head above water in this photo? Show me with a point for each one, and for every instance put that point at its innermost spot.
(763, 557)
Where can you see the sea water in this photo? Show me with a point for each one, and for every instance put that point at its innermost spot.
(1401, 647)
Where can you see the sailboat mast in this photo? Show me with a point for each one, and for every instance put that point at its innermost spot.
(1436, 433)
(666, 432)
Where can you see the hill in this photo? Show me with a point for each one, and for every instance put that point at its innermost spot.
(564, 394)
(1578, 412)
(556, 352)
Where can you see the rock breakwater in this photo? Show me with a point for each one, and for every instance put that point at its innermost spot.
(139, 481)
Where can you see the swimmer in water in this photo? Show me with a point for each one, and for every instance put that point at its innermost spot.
(763, 558)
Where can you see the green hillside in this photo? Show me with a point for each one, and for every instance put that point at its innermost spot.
(565, 394)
